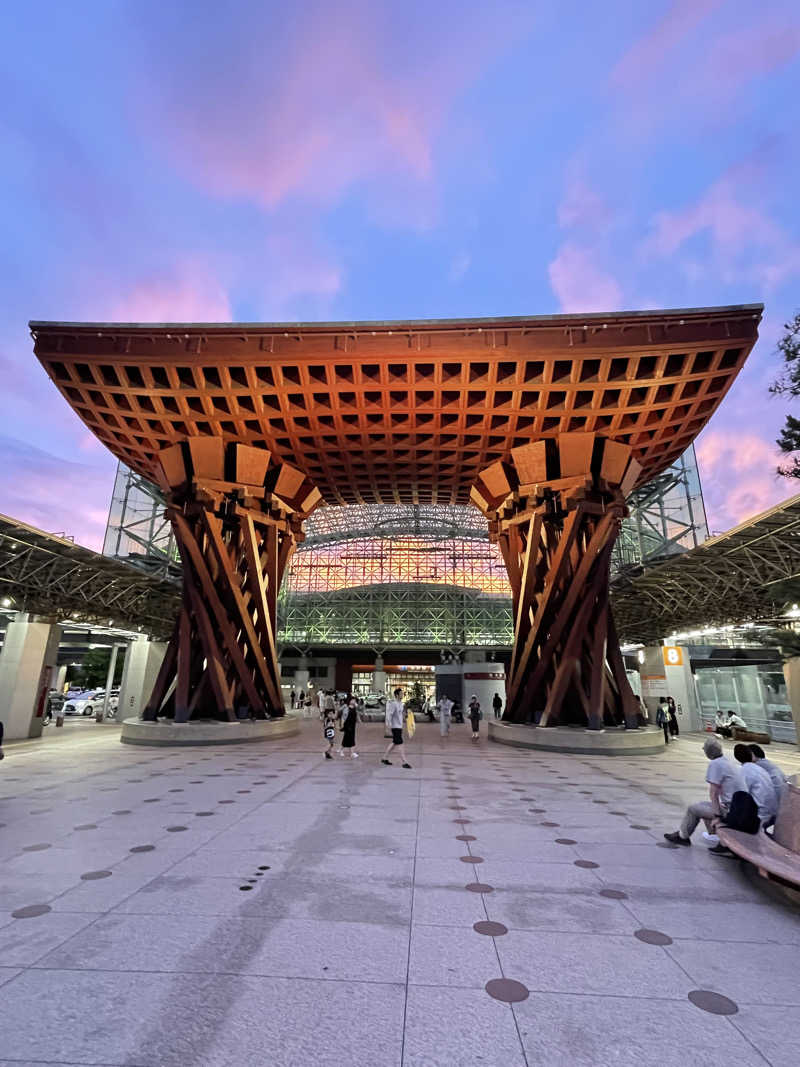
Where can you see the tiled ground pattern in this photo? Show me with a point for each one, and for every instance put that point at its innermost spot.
(259, 905)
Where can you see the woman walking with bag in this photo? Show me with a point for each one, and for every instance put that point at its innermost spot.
(349, 729)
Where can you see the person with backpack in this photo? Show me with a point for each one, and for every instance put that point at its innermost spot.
(475, 716)
(724, 780)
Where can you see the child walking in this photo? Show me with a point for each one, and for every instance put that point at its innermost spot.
(329, 731)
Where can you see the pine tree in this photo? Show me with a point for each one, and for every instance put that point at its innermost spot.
(788, 385)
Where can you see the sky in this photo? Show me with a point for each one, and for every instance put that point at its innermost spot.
(361, 159)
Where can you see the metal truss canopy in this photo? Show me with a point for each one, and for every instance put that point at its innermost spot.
(411, 616)
(734, 578)
(47, 575)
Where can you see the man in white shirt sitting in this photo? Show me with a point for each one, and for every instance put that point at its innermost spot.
(724, 779)
(758, 784)
(776, 775)
(722, 724)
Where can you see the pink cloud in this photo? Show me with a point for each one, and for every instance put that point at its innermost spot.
(647, 57)
(55, 494)
(581, 205)
(580, 284)
(189, 293)
(737, 472)
(311, 106)
(693, 69)
(746, 243)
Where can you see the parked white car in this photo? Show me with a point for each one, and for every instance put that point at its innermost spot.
(90, 702)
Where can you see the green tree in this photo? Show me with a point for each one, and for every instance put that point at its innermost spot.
(788, 385)
(94, 668)
(786, 641)
(417, 696)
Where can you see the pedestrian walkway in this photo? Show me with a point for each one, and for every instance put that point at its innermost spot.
(258, 905)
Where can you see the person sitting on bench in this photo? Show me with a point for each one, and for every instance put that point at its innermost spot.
(776, 775)
(724, 779)
(722, 723)
(758, 784)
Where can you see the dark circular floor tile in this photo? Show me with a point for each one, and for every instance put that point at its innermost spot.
(528, 800)
(176, 829)
(152, 800)
(565, 841)
(242, 790)
(479, 887)
(36, 848)
(639, 826)
(714, 1003)
(471, 859)
(548, 824)
(618, 813)
(585, 792)
(86, 826)
(122, 811)
(201, 814)
(465, 837)
(197, 781)
(537, 811)
(226, 801)
(264, 867)
(245, 888)
(462, 822)
(94, 876)
(599, 801)
(652, 937)
(517, 789)
(176, 790)
(613, 894)
(507, 990)
(143, 848)
(490, 929)
(587, 864)
(31, 911)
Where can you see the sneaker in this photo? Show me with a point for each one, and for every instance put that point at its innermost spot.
(328, 755)
(720, 850)
(388, 762)
(354, 755)
(711, 838)
(407, 765)
(676, 839)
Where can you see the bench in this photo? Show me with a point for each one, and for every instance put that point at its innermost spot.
(741, 733)
(776, 857)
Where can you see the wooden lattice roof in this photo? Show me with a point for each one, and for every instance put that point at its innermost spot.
(401, 411)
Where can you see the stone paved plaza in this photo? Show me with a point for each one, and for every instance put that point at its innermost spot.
(257, 905)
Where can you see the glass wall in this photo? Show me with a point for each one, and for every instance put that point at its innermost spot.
(756, 693)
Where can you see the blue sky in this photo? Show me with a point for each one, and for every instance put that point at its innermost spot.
(265, 161)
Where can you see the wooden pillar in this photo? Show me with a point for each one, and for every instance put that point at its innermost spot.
(236, 519)
(555, 508)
